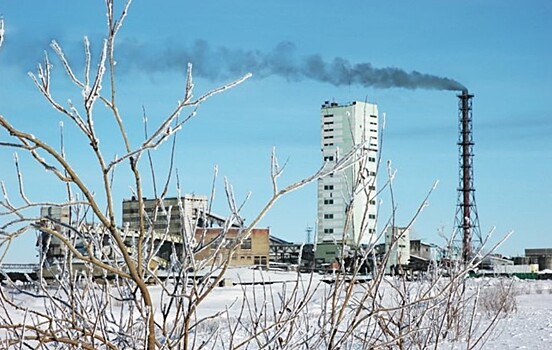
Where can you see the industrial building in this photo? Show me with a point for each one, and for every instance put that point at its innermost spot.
(190, 213)
(182, 213)
(540, 256)
(342, 221)
(404, 254)
(169, 225)
(397, 245)
(58, 219)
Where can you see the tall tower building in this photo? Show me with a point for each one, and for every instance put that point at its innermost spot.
(347, 208)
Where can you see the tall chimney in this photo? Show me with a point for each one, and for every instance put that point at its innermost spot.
(467, 219)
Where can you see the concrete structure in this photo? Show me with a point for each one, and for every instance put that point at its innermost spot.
(422, 250)
(510, 269)
(495, 262)
(421, 255)
(542, 256)
(252, 251)
(341, 219)
(181, 221)
(187, 214)
(177, 215)
(397, 243)
(57, 219)
(287, 253)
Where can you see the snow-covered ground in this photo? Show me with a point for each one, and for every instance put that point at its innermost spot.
(528, 327)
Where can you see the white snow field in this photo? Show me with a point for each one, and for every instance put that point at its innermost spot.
(528, 326)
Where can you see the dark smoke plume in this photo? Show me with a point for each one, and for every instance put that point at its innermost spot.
(224, 63)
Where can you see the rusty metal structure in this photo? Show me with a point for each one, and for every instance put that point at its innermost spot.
(467, 219)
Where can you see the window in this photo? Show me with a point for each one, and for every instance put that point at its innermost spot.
(328, 187)
(373, 116)
(328, 216)
(328, 137)
(328, 201)
(373, 130)
(328, 115)
(372, 188)
(246, 244)
(328, 230)
(373, 123)
(329, 122)
(372, 201)
(328, 159)
(371, 216)
(371, 230)
(371, 159)
(327, 130)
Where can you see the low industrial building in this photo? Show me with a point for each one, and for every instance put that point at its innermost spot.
(167, 226)
(541, 256)
(287, 254)
(495, 262)
(406, 254)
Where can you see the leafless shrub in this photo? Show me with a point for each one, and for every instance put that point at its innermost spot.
(499, 298)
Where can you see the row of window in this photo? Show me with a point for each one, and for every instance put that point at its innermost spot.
(228, 242)
(257, 260)
(372, 201)
(331, 230)
(331, 201)
(260, 260)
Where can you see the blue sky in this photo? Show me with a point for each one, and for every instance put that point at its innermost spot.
(498, 49)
